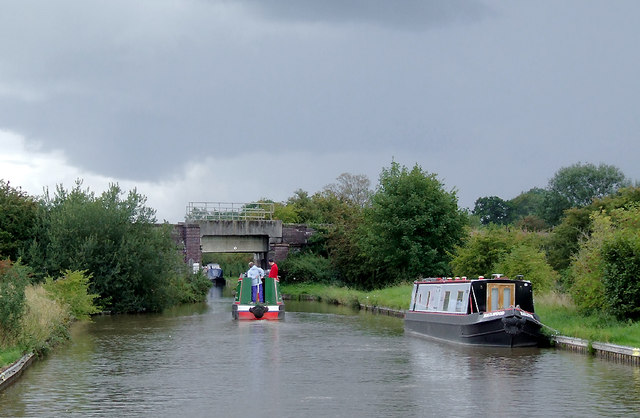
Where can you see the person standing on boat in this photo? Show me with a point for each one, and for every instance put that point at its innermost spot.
(256, 274)
(273, 273)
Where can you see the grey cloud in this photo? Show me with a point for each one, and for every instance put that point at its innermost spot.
(397, 14)
(137, 90)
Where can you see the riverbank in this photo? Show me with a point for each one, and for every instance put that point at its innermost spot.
(10, 373)
(556, 311)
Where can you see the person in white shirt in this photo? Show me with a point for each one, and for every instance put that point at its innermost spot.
(256, 274)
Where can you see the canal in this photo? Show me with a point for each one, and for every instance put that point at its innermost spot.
(321, 361)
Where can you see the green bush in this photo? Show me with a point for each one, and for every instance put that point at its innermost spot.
(13, 280)
(132, 261)
(72, 290)
(606, 269)
(621, 257)
(17, 220)
(306, 267)
(193, 287)
(483, 249)
(45, 321)
(586, 269)
(531, 263)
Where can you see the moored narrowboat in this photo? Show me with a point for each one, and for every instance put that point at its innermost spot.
(489, 312)
(272, 306)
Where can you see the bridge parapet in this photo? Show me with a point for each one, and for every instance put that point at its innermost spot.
(270, 228)
(215, 211)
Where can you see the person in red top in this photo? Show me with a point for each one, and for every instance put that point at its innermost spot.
(274, 269)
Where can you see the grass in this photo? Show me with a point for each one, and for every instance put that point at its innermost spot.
(43, 324)
(396, 297)
(9, 356)
(556, 311)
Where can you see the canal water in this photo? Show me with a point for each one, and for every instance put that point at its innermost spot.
(321, 361)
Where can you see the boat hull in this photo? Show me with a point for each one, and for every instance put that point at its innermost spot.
(504, 328)
(248, 312)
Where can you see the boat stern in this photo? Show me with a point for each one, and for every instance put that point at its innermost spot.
(257, 311)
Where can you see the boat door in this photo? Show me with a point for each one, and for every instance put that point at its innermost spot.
(500, 295)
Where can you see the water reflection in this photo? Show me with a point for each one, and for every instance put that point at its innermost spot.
(538, 382)
(322, 360)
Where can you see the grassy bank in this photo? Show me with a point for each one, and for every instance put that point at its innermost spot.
(42, 313)
(396, 297)
(556, 311)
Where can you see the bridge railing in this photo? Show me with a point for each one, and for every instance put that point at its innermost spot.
(211, 211)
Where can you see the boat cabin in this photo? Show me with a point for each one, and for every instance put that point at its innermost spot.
(470, 296)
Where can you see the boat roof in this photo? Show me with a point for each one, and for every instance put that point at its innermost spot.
(464, 279)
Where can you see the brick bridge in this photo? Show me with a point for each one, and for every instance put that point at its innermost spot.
(264, 238)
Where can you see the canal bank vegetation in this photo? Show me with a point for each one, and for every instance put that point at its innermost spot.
(577, 240)
(34, 317)
(66, 255)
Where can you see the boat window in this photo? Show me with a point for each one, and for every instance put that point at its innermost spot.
(494, 298)
(445, 305)
(500, 295)
(426, 304)
(506, 296)
(459, 300)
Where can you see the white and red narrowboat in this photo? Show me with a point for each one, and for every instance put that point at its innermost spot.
(244, 308)
(488, 312)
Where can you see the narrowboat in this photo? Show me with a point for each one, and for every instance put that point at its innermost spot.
(488, 312)
(271, 308)
(215, 274)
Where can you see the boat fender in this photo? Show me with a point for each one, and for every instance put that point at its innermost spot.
(513, 324)
(258, 311)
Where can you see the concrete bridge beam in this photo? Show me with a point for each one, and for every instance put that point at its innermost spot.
(234, 244)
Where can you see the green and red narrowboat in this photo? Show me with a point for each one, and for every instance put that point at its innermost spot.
(272, 307)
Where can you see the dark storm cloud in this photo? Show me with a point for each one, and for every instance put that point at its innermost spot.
(139, 90)
(397, 14)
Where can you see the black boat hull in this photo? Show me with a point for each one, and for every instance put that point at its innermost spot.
(507, 328)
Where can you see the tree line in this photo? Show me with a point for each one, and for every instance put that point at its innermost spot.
(133, 264)
(579, 235)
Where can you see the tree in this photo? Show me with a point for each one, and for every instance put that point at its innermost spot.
(18, 213)
(134, 263)
(528, 260)
(411, 227)
(493, 210)
(577, 224)
(354, 189)
(14, 278)
(580, 183)
(286, 213)
(606, 269)
(510, 252)
(530, 203)
(621, 256)
(578, 186)
(554, 206)
(304, 207)
(482, 250)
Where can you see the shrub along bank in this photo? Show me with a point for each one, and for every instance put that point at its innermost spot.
(35, 317)
(556, 311)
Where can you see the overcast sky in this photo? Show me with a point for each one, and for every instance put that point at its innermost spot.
(236, 100)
